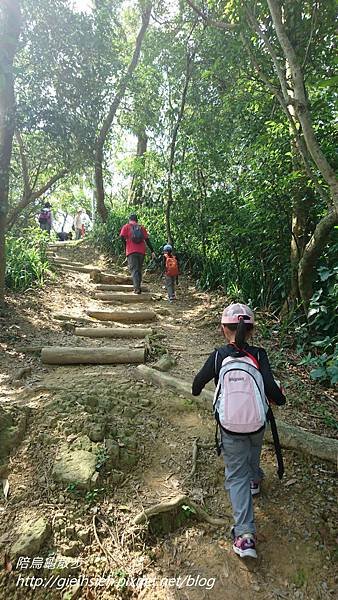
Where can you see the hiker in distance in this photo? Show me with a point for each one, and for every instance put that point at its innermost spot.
(45, 218)
(244, 388)
(136, 239)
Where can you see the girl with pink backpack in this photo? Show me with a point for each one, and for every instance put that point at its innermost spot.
(245, 387)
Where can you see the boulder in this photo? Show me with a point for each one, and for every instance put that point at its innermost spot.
(32, 535)
(75, 466)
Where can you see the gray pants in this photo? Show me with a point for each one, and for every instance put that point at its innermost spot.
(170, 283)
(135, 264)
(241, 456)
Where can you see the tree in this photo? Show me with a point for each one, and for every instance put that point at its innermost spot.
(9, 36)
(109, 118)
(288, 86)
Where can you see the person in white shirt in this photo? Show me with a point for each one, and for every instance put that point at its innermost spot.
(86, 222)
(79, 224)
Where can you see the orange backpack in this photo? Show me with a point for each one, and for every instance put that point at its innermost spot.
(171, 266)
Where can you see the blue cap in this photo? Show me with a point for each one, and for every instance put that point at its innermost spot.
(167, 248)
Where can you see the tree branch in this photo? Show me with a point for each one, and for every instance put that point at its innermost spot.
(107, 122)
(24, 165)
(26, 200)
(208, 21)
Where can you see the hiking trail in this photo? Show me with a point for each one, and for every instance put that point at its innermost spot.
(111, 475)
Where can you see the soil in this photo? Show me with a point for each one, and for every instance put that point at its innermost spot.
(195, 561)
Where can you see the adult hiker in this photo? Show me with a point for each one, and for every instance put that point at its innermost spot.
(78, 224)
(136, 239)
(244, 388)
(45, 218)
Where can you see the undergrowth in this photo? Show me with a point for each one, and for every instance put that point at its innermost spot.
(26, 259)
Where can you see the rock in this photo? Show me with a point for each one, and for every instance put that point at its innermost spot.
(83, 443)
(32, 536)
(21, 373)
(73, 593)
(91, 401)
(113, 451)
(96, 432)
(75, 466)
(84, 535)
(94, 479)
(117, 477)
(71, 549)
(127, 459)
(165, 363)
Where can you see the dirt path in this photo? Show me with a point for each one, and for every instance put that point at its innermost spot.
(153, 432)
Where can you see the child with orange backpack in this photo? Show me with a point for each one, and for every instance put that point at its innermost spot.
(170, 271)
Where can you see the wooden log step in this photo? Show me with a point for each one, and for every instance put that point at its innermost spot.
(140, 316)
(61, 317)
(80, 268)
(67, 262)
(112, 332)
(112, 297)
(71, 355)
(290, 436)
(104, 287)
(98, 277)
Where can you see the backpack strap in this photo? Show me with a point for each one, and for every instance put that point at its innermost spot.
(218, 443)
(276, 442)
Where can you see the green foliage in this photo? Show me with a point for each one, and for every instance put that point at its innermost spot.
(26, 260)
(321, 332)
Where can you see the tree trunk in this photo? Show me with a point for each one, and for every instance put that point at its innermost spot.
(170, 199)
(315, 246)
(100, 141)
(10, 19)
(136, 188)
(312, 252)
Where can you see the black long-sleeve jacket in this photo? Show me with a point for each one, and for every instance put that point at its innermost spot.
(213, 364)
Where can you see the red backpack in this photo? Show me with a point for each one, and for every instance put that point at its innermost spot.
(171, 265)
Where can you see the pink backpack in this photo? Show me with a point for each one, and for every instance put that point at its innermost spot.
(240, 405)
